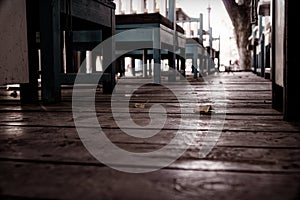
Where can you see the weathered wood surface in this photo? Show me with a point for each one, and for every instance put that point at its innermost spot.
(256, 157)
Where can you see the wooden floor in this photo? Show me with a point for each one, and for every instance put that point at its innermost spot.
(257, 156)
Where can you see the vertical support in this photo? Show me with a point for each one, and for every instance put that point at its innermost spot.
(210, 38)
(133, 66)
(151, 61)
(140, 6)
(77, 63)
(69, 51)
(188, 31)
(291, 91)
(260, 35)
(118, 7)
(262, 55)
(163, 8)
(171, 61)
(201, 73)
(200, 31)
(157, 65)
(128, 7)
(172, 55)
(50, 50)
(89, 64)
(254, 50)
(277, 91)
(182, 67)
(219, 54)
(109, 56)
(195, 64)
(82, 62)
(171, 10)
(145, 63)
(177, 63)
(29, 91)
(151, 6)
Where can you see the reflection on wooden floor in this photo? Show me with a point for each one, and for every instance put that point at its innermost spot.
(256, 157)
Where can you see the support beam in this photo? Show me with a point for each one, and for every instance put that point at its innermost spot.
(172, 69)
(145, 63)
(163, 8)
(140, 4)
(29, 91)
(128, 7)
(157, 65)
(291, 91)
(50, 50)
(151, 6)
(195, 63)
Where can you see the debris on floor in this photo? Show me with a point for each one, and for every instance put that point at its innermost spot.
(203, 109)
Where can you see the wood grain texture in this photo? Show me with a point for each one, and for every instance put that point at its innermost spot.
(257, 155)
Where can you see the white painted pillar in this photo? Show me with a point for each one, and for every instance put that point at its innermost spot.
(140, 5)
(163, 8)
(128, 6)
(89, 67)
(151, 6)
(118, 7)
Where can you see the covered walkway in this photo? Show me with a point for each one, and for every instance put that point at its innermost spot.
(257, 155)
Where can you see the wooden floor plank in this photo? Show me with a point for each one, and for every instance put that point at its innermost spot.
(257, 155)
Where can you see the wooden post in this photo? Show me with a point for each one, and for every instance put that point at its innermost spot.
(140, 6)
(277, 91)
(163, 7)
(182, 66)
(157, 65)
(145, 63)
(118, 6)
(195, 64)
(50, 50)
(151, 6)
(133, 66)
(201, 73)
(171, 61)
(29, 91)
(108, 56)
(172, 55)
(291, 91)
(128, 7)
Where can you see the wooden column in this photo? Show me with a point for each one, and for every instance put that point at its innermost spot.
(118, 6)
(163, 7)
(29, 91)
(171, 61)
(128, 7)
(201, 73)
(195, 64)
(157, 65)
(108, 56)
(140, 6)
(151, 6)
(145, 63)
(292, 71)
(200, 31)
(277, 91)
(50, 50)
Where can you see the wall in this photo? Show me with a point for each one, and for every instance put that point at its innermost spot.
(13, 40)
